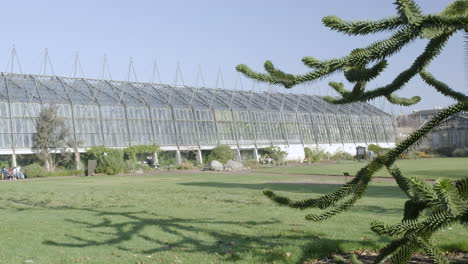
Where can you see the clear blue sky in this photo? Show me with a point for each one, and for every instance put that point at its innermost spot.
(211, 33)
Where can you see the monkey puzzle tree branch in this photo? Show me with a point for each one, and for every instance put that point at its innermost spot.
(357, 186)
(445, 201)
(409, 11)
(441, 87)
(362, 27)
(433, 48)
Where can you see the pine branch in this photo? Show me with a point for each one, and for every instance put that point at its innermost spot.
(436, 255)
(390, 249)
(433, 48)
(405, 251)
(409, 11)
(422, 190)
(341, 208)
(362, 27)
(401, 180)
(244, 69)
(392, 98)
(462, 187)
(356, 74)
(413, 208)
(449, 200)
(358, 185)
(285, 78)
(440, 86)
(426, 227)
(382, 49)
(339, 87)
(393, 154)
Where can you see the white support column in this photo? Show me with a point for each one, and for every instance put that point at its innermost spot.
(13, 159)
(255, 155)
(199, 157)
(155, 159)
(237, 156)
(178, 158)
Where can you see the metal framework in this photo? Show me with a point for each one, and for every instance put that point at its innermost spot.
(120, 114)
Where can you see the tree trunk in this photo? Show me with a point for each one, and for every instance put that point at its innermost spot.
(77, 160)
(47, 164)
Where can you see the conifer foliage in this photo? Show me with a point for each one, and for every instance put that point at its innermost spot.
(444, 202)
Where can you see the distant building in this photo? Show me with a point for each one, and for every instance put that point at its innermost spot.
(452, 133)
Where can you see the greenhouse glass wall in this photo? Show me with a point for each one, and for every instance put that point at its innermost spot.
(120, 114)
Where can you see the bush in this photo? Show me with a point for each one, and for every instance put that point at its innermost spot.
(378, 150)
(109, 161)
(445, 151)
(112, 163)
(341, 155)
(251, 163)
(275, 152)
(4, 164)
(221, 153)
(34, 171)
(140, 152)
(132, 166)
(185, 166)
(315, 154)
(460, 152)
(308, 155)
(166, 158)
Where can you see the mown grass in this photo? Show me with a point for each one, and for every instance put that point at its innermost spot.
(185, 218)
(453, 168)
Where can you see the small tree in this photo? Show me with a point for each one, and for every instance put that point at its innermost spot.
(51, 134)
(221, 153)
(109, 161)
(140, 151)
(445, 202)
(275, 152)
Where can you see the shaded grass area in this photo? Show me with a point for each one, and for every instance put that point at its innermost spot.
(453, 168)
(186, 218)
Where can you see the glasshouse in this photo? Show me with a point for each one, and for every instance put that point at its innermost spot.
(120, 114)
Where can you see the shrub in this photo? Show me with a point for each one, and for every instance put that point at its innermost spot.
(460, 152)
(275, 152)
(251, 163)
(315, 154)
(4, 164)
(109, 161)
(166, 158)
(341, 155)
(378, 150)
(132, 166)
(34, 171)
(140, 152)
(185, 166)
(445, 151)
(221, 153)
(308, 154)
(422, 155)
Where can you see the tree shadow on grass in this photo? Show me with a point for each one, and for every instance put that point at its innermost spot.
(206, 235)
(376, 191)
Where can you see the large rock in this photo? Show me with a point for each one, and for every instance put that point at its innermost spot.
(214, 165)
(232, 165)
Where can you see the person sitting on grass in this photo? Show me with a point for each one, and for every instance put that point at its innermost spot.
(10, 174)
(4, 173)
(17, 173)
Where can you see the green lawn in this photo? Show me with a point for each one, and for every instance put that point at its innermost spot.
(184, 218)
(453, 168)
